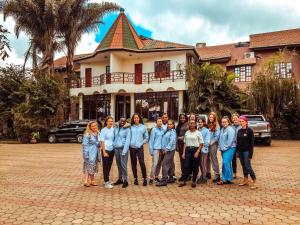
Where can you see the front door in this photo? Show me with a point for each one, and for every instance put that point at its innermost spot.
(138, 70)
(122, 107)
(88, 77)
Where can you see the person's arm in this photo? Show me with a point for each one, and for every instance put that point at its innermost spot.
(127, 142)
(184, 147)
(102, 141)
(151, 141)
(200, 139)
(85, 147)
(251, 143)
(206, 140)
(145, 135)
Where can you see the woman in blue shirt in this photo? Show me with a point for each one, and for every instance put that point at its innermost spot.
(155, 147)
(204, 151)
(168, 151)
(214, 130)
(139, 137)
(121, 146)
(91, 153)
(107, 140)
(227, 145)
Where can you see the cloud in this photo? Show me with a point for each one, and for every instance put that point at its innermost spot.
(190, 21)
(212, 21)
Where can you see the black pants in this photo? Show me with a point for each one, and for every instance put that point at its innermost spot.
(138, 154)
(234, 162)
(191, 162)
(107, 163)
(180, 152)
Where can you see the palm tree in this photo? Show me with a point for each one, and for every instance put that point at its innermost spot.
(77, 17)
(37, 19)
(211, 89)
(4, 43)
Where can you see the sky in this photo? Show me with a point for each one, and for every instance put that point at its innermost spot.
(188, 22)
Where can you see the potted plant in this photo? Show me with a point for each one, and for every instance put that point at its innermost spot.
(35, 136)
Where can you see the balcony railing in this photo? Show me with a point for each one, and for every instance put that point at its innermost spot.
(129, 78)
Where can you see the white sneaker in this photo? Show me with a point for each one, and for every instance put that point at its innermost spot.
(108, 185)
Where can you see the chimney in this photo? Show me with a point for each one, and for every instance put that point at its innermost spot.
(200, 45)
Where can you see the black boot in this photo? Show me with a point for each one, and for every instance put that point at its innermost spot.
(145, 182)
(136, 181)
(208, 175)
(125, 184)
(217, 178)
(118, 182)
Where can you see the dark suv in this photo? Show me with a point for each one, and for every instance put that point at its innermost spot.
(68, 131)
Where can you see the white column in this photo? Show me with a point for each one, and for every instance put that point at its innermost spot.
(81, 107)
(132, 104)
(113, 105)
(180, 102)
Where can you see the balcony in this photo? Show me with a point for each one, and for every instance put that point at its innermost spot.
(130, 78)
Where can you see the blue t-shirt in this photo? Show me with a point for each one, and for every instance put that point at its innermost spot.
(107, 135)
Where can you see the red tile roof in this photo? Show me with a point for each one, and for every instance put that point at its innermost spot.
(61, 62)
(215, 52)
(275, 39)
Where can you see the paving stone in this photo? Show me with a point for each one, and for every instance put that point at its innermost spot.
(42, 184)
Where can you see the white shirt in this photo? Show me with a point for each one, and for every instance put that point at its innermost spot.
(193, 139)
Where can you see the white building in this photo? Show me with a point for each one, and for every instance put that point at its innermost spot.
(128, 73)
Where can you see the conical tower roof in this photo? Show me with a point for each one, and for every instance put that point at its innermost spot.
(121, 35)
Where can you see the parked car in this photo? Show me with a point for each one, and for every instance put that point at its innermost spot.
(68, 131)
(198, 116)
(261, 128)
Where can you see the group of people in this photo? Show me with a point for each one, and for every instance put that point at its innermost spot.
(197, 142)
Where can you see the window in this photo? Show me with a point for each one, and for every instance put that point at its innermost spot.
(162, 68)
(107, 69)
(244, 73)
(95, 106)
(153, 105)
(283, 70)
(190, 60)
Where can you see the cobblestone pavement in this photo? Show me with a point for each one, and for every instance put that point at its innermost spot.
(42, 184)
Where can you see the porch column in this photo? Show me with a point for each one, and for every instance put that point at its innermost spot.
(180, 102)
(113, 105)
(132, 104)
(81, 107)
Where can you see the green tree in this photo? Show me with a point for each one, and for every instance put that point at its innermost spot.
(77, 17)
(4, 43)
(211, 89)
(37, 19)
(275, 97)
(12, 79)
(45, 96)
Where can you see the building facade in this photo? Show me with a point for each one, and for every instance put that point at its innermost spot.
(128, 73)
(246, 59)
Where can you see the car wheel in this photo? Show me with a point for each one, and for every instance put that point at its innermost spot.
(79, 138)
(51, 138)
(268, 141)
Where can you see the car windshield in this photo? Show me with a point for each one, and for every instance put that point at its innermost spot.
(255, 118)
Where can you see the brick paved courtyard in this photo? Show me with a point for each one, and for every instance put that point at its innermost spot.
(42, 184)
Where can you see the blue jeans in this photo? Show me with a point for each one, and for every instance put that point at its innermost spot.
(121, 161)
(246, 165)
(227, 174)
